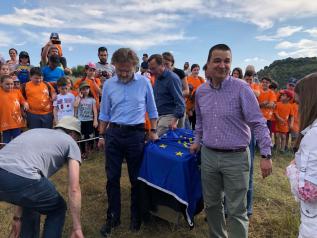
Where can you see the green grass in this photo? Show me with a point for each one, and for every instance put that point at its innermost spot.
(276, 213)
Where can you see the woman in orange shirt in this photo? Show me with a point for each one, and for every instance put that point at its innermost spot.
(283, 112)
(194, 81)
(11, 120)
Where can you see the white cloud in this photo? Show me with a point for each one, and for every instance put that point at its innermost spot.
(35, 17)
(263, 14)
(86, 15)
(254, 59)
(144, 23)
(6, 39)
(281, 32)
(302, 48)
(312, 31)
(136, 43)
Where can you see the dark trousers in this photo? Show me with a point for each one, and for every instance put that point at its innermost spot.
(87, 132)
(250, 191)
(35, 196)
(10, 134)
(39, 121)
(123, 144)
(192, 120)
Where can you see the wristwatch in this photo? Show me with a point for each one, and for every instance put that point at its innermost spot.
(154, 130)
(268, 157)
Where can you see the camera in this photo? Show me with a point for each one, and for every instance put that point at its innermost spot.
(105, 74)
(56, 41)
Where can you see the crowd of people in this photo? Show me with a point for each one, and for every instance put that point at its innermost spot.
(119, 106)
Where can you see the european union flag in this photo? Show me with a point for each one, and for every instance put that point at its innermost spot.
(169, 167)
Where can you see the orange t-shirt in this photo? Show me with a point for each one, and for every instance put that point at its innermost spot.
(269, 96)
(195, 83)
(38, 98)
(10, 110)
(256, 88)
(93, 91)
(296, 117)
(60, 50)
(283, 110)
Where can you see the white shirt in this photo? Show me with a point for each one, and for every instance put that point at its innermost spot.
(64, 105)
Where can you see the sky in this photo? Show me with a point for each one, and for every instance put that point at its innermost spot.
(258, 32)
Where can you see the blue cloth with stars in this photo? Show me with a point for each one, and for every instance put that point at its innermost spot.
(169, 167)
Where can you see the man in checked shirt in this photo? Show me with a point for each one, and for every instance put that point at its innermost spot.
(226, 110)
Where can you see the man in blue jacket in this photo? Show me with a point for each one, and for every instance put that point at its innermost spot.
(168, 95)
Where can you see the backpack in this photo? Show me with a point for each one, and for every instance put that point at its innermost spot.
(47, 85)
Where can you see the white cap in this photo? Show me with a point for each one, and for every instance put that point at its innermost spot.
(70, 123)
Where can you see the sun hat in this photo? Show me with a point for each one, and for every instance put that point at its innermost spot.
(69, 123)
(83, 84)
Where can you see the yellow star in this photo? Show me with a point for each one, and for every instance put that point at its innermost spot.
(190, 139)
(163, 146)
(179, 153)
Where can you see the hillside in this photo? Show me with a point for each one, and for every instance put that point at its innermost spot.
(282, 70)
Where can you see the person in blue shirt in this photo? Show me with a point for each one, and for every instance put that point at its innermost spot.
(126, 97)
(168, 95)
(53, 72)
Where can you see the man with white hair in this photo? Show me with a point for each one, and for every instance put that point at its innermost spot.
(26, 163)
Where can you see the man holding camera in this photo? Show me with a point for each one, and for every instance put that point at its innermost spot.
(53, 47)
(104, 69)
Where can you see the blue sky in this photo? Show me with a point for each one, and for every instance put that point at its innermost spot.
(258, 32)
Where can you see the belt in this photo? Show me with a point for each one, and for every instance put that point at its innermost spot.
(228, 150)
(128, 127)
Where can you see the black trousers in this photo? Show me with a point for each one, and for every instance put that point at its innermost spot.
(128, 144)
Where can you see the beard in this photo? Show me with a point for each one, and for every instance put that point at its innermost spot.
(125, 80)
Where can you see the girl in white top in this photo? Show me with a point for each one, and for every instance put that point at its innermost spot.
(302, 172)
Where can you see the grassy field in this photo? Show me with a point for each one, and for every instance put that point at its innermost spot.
(275, 211)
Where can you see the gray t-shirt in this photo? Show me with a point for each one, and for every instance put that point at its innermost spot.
(85, 109)
(38, 152)
(109, 68)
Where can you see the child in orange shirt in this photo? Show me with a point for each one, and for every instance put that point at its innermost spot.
(249, 77)
(267, 100)
(93, 82)
(40, 96)
(283, 112)
(11, 120)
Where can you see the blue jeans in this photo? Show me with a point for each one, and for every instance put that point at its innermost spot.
(250, 191)
(123, 144)
(10, 134)
(35, 196)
